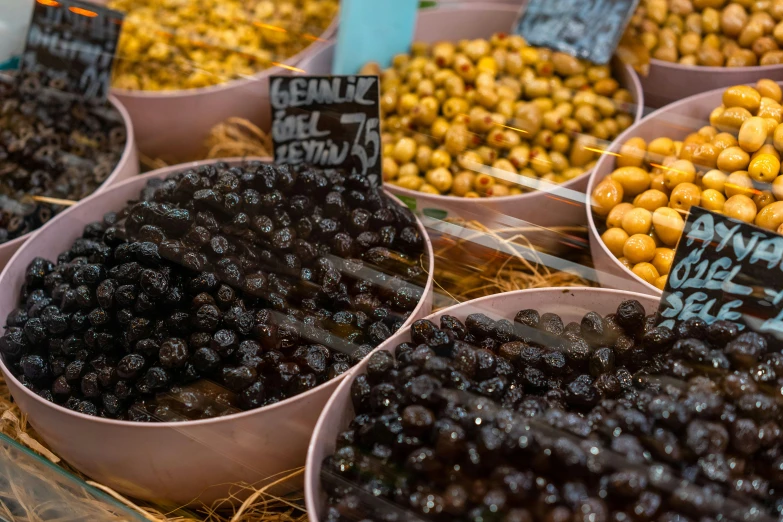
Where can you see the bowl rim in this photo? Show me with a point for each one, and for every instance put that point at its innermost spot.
(127, 155)
(291, 62)
(546, 187)
(615, 147)
(312, 468)
(159, 174)
(711, 69)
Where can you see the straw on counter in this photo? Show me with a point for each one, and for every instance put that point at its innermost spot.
(260, 505)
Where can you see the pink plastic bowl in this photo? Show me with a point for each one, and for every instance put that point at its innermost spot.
(127, 167)
(551, 205)
(571, 304)
(670, 82)
(174, 462)
(173, 125)
(674, 121)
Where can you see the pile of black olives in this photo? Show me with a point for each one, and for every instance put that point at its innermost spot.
(263, 279)
(52, 144)
(613, 419)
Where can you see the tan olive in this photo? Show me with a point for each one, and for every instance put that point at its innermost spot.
(732, 118)
(658, 182)
(583, 151)
(770, 109)
(733, 159)
(606, 195)
(660, 147)
(752, 134)
(423, 157)
(708, 131)
(724, 140)
(404, 150)
(463, 183)
(764, 168)
(615, 216)
(742, 96)
(762, 198)
(771, 216)
(739, 183)
(390, 169)
(742, 58)
(409, 169)
(705, 155)
(637, 221)
(632, 153)
(639, 248)
(767, 148)
(614, 239)
(777, 188)
(440, 158)
(770, 89)
(679, 172)
(646, 272)
(684, 196)
(634, 180)
(668, 225)
(713, 200)
(662, 261)
(774, 57)
(714, 179)
(409, 182)
(740, 207)
(651, 200)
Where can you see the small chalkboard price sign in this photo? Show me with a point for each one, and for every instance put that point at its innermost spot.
(588, 29)
(726, 269)
(329, 121)
(74, 43)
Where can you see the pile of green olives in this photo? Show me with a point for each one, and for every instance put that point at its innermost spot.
(450, 108)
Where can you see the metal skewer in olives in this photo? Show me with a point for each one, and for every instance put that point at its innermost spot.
(265, 279)
(51, 144)
(609, 419)
(731, 166)
(449, 108)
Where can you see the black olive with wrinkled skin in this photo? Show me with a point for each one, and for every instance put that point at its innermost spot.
(173, 287)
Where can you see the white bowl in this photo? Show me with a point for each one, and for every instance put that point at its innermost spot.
(670, 82)
(127, 167)
(570, 303)
(674, 121)
(550, 204)
(174, 462)
(173, 125)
